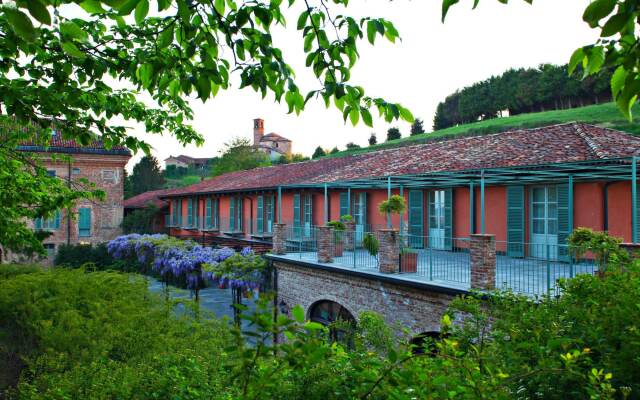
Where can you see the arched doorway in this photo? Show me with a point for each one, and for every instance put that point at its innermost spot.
(333, 315)
(425, 343)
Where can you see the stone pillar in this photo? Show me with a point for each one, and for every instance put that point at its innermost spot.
(389, 253)
(279, 238)
(349, 235)
(325, 244)
(483, 261)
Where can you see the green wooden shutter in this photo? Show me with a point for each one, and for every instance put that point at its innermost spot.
(216, 213)
(189, 212)
(232, 214)
(38, 223)
(515, 221)
(259, 219)
(564, 223)
(416, 218)
(344, 204)
(272, 209)
(448, 219)
(296, 214)
(84, 222)
(180, 212)
(56, 222)
(207, 213)
(239, 210)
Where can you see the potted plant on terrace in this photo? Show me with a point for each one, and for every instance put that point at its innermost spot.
(338, 236)
(408, 260)
(393, 205)
(371, 244)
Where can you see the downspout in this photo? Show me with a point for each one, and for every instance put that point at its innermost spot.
(69, 208)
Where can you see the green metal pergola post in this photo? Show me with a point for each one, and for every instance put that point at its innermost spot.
(326, 204)
(472, 209)
(388, 197)
(279, 204)
(482, 201)
(634, 200)
(401, 216)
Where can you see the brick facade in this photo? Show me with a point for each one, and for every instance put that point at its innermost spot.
(483, 261)
(389, 253)
(279, 237)
(106, 171)
(416, 309)
(326, 243)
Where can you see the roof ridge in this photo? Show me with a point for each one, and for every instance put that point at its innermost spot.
(593, 146)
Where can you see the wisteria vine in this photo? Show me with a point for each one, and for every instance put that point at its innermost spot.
(179, 259)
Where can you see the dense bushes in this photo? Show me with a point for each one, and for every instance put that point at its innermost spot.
(102, 335)
(77, 255)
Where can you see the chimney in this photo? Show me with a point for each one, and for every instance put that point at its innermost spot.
(258, 130)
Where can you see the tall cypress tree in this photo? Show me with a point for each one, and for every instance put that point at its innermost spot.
(146, 176)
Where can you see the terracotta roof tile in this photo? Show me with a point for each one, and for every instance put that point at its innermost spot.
(144, 199)
(569, 142)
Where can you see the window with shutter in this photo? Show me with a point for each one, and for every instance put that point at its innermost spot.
(259, 216)
(515, 221)
(232, 214)
(416, 218)
(84, 222)
(216, 213)
(307, 215)
(207, 213)
(239, 214)
(448, 219)
(344, 204)
(296, 215)
(564, 221)
(269, 213)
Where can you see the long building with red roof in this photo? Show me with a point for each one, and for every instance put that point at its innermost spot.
(523, 186)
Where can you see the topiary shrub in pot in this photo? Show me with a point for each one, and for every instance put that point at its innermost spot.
(338, 237)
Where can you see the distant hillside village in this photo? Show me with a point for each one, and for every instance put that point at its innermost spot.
(272, 144)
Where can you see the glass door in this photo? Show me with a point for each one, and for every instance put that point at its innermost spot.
(544, 222)
(437, 220)
(360, 215)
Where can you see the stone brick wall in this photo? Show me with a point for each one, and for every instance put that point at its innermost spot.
(279, 237)
(483, 261)
(416, 309)
(389, 253)
(326, 243)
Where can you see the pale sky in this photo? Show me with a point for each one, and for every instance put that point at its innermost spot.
(431, 61)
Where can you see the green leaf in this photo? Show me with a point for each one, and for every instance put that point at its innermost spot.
(204, 87)
(72, 50)
(92, 7)
(617, 81)
(595, 60)
(20, 23)
(371, 31)
(615, 24)
(446, 4)
(127, 7)
(163, 4)
(166, 37)
(298, 313)
(142, 9)
(597, 10)
(39, 11)
(576, 58)
(366, 117)
(72, 31)
(628, 96)
(405, 114)
(302, 19)
(354, 116)
(219, 6)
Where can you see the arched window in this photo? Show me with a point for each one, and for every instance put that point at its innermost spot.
(337, 318)
(425, 343)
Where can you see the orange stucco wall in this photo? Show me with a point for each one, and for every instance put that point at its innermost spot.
(588, 209)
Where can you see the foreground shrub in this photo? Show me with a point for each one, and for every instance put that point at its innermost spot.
(11, 270)
(103, 335)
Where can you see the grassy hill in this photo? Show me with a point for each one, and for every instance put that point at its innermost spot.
(186, 180)
(605, 115)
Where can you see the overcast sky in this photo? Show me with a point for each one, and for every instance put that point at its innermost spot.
(431, 61)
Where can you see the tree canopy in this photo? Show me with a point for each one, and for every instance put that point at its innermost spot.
(417, 127)
(318, 152)
(146, 176)
(238, 155)
(393, 134)
(616, 49)
(548, 87)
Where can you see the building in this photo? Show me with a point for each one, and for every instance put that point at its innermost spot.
(146, 199)
(272, 144)
(90, 221)
(483, 212)
(183, 161)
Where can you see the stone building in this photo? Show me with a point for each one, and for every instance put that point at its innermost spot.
(272, 144)
(90, 221)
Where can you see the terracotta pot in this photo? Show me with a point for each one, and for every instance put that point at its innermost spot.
(409, 262)
(338, 249)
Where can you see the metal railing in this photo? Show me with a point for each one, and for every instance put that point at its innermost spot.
(439, 259)
(536, 268)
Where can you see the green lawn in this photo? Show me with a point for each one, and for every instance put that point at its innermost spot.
(182, 181)
(606, 115)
